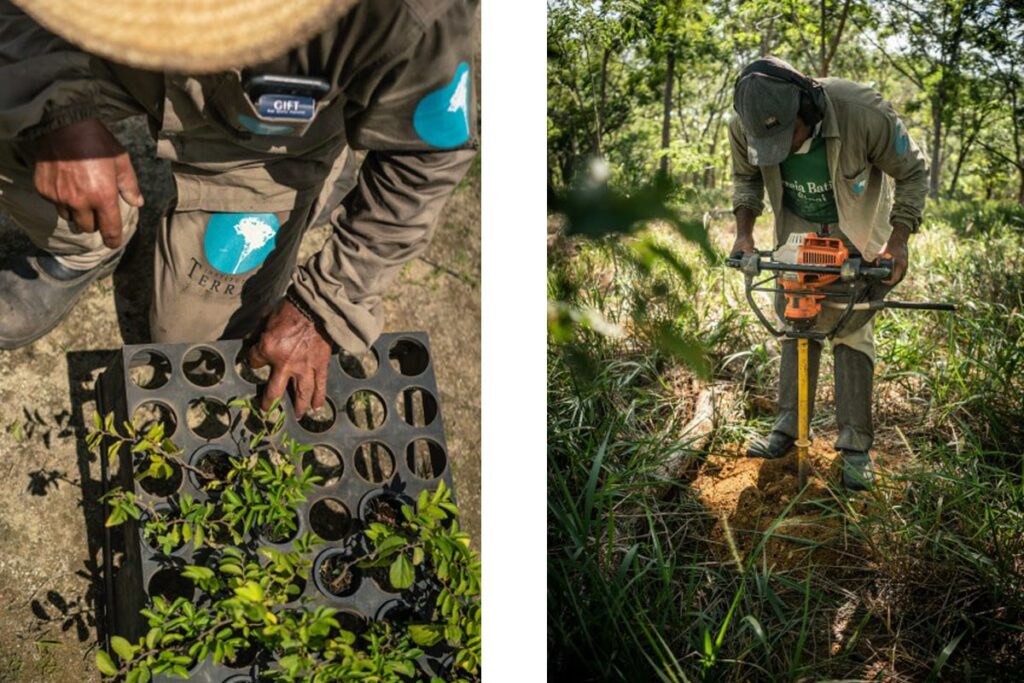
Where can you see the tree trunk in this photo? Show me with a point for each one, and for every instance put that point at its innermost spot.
(935, 175)
(666, 120)
(823, 65)
(602, 100)
(826, 61)
(964, 150)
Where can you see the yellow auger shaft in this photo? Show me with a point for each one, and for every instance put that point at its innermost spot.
(803, 419)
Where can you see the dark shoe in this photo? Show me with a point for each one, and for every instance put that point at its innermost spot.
(775, 446)
(857, 472)
(36, 292)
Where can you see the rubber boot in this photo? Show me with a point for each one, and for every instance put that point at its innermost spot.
(854, 373)
(784, 431)
(37, 291)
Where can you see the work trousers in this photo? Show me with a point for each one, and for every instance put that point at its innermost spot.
(225, 252)
(853, 350)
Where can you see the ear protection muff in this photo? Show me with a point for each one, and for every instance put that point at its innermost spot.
(812, 95)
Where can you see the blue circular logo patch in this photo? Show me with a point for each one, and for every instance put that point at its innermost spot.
(238, 242)
(902, 142)
(442, 117)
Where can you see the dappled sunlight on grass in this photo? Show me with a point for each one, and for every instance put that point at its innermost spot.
(821, 583)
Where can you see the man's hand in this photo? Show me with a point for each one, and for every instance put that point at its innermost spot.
(744, 243)
(82, 169)
(295, 350)
(896, 247)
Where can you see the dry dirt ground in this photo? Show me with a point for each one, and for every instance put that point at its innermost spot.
(50, 519)
(748, 496)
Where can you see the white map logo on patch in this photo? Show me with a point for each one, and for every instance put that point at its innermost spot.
(460, 98)
(256, 232)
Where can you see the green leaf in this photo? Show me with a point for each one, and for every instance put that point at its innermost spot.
(197, 573)
(117, 516)
(122, 647)
(105, 664)
(251, 591)
(401, 573)
(425, 635)
(153, 636)
(417, 556)
(234, 569)
(389, 544)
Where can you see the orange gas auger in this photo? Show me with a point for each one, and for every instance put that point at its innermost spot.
(806, 264)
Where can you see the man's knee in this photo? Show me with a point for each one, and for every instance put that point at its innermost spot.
(861, 339)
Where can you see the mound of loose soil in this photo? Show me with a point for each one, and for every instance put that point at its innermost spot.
(750, 495)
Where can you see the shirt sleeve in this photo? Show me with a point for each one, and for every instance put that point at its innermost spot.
(890, 148)
(49, 83)
(418, 125)
(747, 183)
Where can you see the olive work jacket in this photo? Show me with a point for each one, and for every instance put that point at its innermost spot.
(401, 88)
(865, 141)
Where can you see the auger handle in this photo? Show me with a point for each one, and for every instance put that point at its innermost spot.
(920, 306)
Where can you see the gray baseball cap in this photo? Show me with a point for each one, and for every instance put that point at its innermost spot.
(767, 107)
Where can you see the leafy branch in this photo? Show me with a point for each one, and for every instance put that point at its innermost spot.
(248, 602)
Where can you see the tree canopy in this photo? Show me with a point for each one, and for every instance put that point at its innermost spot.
(647, 86)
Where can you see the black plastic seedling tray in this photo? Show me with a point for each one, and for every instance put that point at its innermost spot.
(387, 434)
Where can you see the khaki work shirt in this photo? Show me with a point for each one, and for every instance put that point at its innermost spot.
(387, 61)
(865, 141)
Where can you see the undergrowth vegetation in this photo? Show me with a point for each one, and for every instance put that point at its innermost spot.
(927, 576)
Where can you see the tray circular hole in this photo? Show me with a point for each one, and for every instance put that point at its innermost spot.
(326, 463)
(417, 406)
(252, 421)
(319, 420)
(332, 578)
(282, 535)
(150, 540)
(366, 410)
(149, 413)
(374, 462)
(299, 584)
(351, 621)
(170, 584)
(359, 366)
(208, 418)
(408, 357)
(163, 487)
(203, 366)
(213, 465)
(393, 611)
(250, 374)
(426, 458)
(243, 659)
(330, 519)
(149, 369)
(384, 507)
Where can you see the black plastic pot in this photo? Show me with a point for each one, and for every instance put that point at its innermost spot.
(174, 376)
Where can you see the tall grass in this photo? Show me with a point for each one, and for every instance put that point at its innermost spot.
(929, 580)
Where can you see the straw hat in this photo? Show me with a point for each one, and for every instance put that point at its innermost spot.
(193, 36)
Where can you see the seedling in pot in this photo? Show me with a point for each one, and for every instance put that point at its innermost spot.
(246, 598)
